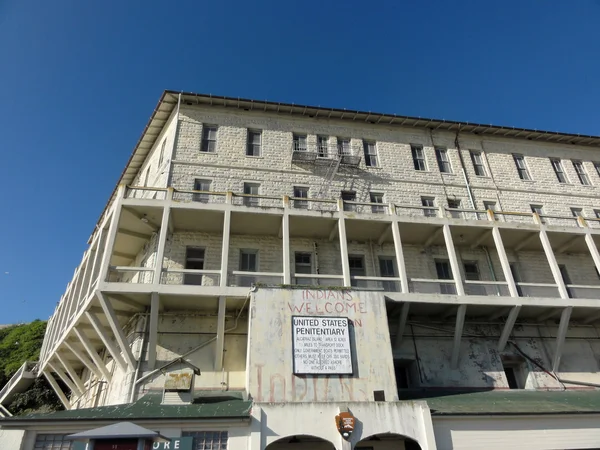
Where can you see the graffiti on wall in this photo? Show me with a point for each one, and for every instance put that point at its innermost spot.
(329, 302)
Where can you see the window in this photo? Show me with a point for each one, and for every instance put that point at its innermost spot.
(387, 268)
(491, 206)
(515, 372)
(322, 146)
(597, 213)
(254, 143)
(299, 143)
(558, 170)
(300, 192)
(444, 272)
(52, 442)
(405, 369)
(441, 154)
(581, 173)
(471, 269)
(349, 196)
(377, 197)
(418, 157)
(194, 260)
(343, 146)
(521, 167)
(303, 264)
(539, 210)
(248, 263)
(209, 138)
(162, 153)
(516, 277)
(201, 185)
(208, 440)
(429, 203)
(455, 204)
(251, 189)
(370, 154)
(597, 167)
(357, 269)
(477, 159)
(577, 212)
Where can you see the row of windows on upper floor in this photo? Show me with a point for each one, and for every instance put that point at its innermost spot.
(430, 208)
(254, 148)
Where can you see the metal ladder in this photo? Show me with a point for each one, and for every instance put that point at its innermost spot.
(329, 176)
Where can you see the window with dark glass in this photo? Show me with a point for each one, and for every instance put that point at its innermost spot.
(558, 170)
(377, 197)
(418, 156)
(194, 260)
(251, 189)
(521, 167)
(478, 166)
(454, 204)
(201, 185)
(343, 146)
(253, 147)
(349, 196)
(300, 192)
(357, 268)
(370, 153)
(303, 265)
(300, 142)
(581, 173)
(444, 272)
(441, 154)
(209, 138)
(322, 146)
(429, 203)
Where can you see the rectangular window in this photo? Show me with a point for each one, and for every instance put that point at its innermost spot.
(303, 265)
(370, 153)
(377, 197)
(208, 440)
(323, 146)
(248, 260)
(471, 269)
(299, 143)
(558, 170)
(202, 185)
(251, 189)
(454, 204)
(429, 209)
(521, 167)
(441, 154)
(52, 442)
(478, 166)
(343, 146)
(253, 147)
(357, 269)
(515, 373)
(194, 260)
(581, 173)
(349, 196)
(387, 268)
(209, 138)
(300, 192)
(491, 206)
(418, 156)
(444, 272)
(597, 167)
(404, 370)
(162, 153)
(539, 210)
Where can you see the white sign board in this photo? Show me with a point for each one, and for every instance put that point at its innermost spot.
(321, 345)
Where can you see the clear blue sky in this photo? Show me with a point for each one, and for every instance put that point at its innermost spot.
(79, 82)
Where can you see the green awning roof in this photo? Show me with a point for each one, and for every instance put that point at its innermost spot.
(508, 402)
(206, 406)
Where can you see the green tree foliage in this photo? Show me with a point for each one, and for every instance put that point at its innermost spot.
(20, 343)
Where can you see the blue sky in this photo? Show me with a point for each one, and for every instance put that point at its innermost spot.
(80, 79)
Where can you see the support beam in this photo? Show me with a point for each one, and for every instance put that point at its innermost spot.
(386, 233)
(508, 327)
(433, 237)
(400, 258)
(134, 234)
(124, 255)
(106, 340)
(142, 218)
(589, 240)
(111, 237)
(525, 241)
(59, 392)
(111, 317)
(343, 244)
(89, 348)
(63, 376)
(287, 271)
(69, 368)
(567, 245)
(153, 329)
(86, 362)
(460, 323)
(162, 239)
(482, 237)
(548, 314)
(560, 338)
(508, 276)
(220, 344)
(118, 312)
(460, 289)
(225, 243)
(401, 324)
(558, 279)
(126, 301)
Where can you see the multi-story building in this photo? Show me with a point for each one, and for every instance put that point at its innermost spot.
(265, 270)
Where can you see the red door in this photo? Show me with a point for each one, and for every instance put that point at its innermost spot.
(118, 444)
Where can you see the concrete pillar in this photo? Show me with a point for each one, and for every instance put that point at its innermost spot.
(220, 345)
(558, 279)
(153, 329)
(162, 238)
(400, 258)
(112, 234)
(460, 289)
(225, 243)
(343, 244)
(61, 395)
(510, 281)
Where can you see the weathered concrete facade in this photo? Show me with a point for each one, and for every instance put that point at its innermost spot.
(464, 256)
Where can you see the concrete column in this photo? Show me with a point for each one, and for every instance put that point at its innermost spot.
(97, 256)
(63, 376)
(225, 244)
(400, 257)
(89, 348)
(589, 240)
(112, 234)
(61, 395)
(71, 371)
(343, 244)
(558, 279)
(106, 340)
(458, 329)
(401, 324)
(115, 326)
(162, 238)
(153, 330)
(510, 281)
(86, 362)
(220, 346)
(508, 326)
(560, 338)
(287, 270)
(460, 289)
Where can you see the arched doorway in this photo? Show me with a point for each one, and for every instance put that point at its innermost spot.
(300, 442)
(387, 441)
